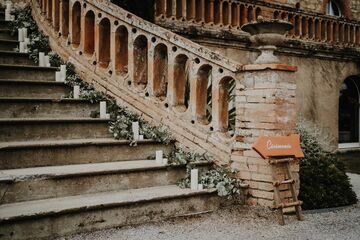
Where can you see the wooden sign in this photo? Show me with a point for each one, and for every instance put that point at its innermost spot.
(282, 146)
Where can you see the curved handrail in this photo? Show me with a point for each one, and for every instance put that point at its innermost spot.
(169, 79)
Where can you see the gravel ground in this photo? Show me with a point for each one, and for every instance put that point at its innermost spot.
(245, 223)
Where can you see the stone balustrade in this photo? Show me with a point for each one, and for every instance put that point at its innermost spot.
(232, 14)
(173, 81)
(171, 75)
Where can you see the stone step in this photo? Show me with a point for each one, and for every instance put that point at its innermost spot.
(33, 89)
(28, 184)
(4, 24)
(15, 58)
(43, 108)
(8, 45)
(50, 218)
(23, 72)
(7, 34)
(75, 151)
(27, 129)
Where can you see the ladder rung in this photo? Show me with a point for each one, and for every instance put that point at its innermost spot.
(291, 204)
(289, 181)
(277, 161)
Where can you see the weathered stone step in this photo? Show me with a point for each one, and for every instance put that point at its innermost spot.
(23, 72)
(8, 45)
(3, 23)
(15, 58)
(7, 34)
(28, 184)
(50, 218)
(33, 89)
(52, 129)
(45, 108)
(76, 151)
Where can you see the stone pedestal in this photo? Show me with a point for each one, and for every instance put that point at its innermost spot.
(265, 105)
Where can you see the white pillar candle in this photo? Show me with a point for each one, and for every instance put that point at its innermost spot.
(141, 137)
(41, 59)
(47, 61)
(22, 47)
(25, 32)
(194, 180)
(165, 161)
(102, 109)
(20, 35)
(135, 130)
(159, 157)
(7, 15)
(58, 77)
(200, 187)
(63, 72)
(76, 92)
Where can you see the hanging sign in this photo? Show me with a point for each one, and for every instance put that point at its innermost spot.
(282, 146)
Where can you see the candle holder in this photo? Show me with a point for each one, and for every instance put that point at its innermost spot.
(267, 34)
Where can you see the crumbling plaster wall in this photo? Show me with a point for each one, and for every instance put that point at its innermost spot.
(318, 84)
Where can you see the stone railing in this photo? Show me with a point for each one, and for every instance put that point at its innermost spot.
(167, 78)
(232, 14)
(173, 81)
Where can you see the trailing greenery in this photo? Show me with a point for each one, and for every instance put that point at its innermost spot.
(323, 181)
(219, 178)
(121, 118)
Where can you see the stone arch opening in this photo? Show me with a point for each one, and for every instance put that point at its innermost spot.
(181, 83)
(349, 100)
(104, 42)
(89, 44)
(243, 17)
(204, 94)
(250, 14)
(225, 13)
(49, 10)
(234, 15)
(160, 70)
(76, 24)
(226, 114)
(56, 22)
(141, 62)
(121, 49)
(65, 18)
(257, 13)
(217, 15)
(333, 8)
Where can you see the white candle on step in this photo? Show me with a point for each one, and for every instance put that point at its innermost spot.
(63, 72)
(58, 77)
(25, 32)
(22, 47)
(135, 130)
(159, 157)
(47, 61)
(194, 180)
(76, 92)
(103, 109)
(41, 59)
(20, 35)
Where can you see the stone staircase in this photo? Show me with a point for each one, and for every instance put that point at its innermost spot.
(61, 172)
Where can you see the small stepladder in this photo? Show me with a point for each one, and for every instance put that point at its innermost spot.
(280, 205)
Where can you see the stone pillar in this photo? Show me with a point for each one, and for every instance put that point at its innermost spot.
(265, 105)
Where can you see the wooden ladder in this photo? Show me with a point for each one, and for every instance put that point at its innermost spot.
(280, 205)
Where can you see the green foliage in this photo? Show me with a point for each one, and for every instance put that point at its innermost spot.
(182, 157)
(323, 181)
(219, 178)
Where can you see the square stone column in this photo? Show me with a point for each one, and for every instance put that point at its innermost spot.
(265, 105)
